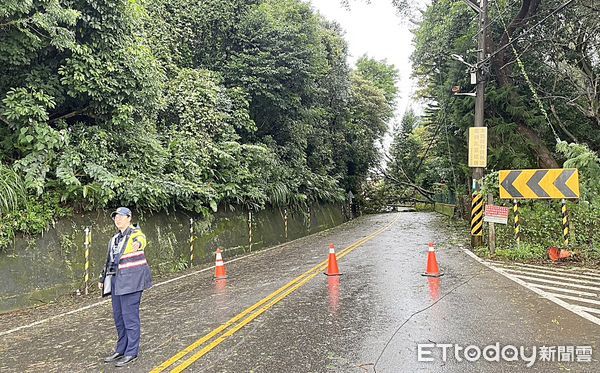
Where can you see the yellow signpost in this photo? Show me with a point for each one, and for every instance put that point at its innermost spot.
(478, 147)
(539, 184)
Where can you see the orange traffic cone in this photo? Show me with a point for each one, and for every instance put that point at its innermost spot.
(220, 272)
(332, 266)
(432, 267)
(564, 254)
(553, 254)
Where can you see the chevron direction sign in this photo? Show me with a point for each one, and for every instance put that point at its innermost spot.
(539, 184)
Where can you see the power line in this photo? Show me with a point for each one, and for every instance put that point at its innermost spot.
(450, 157)
(526, 31)
(524, 72)
(499, 16)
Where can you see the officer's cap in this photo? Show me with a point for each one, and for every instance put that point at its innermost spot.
(121, 211)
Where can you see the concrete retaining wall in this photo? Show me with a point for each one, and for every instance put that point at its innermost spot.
(40, 269)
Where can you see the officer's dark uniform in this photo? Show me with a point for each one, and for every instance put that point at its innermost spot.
(131, 275)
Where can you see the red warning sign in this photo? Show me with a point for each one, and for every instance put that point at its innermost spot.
(496, 214)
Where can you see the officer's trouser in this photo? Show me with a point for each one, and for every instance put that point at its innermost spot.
(126, 312)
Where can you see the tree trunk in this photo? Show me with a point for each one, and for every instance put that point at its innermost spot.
(544, 155)
(504, 78)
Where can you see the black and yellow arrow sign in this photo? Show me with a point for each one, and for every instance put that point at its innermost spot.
(539, 184)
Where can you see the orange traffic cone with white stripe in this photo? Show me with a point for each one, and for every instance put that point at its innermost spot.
(332, 266)
(220, 272)
(432, 266)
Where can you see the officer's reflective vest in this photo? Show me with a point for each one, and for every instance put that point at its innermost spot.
(132, 273)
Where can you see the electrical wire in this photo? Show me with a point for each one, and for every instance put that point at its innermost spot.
(526, 31)
(450, 158)
(524, 72)
(499, 16)
(422, 310)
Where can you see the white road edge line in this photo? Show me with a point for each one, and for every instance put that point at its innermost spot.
(27, 326)
(575, 309)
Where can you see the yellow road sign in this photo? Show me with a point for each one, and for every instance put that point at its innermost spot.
(539, 184)
(477, 146)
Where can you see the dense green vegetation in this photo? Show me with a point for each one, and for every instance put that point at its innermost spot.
(179, 104)
(198, 104)
(542, 111)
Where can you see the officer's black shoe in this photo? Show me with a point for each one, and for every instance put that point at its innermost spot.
(125, 360)
(114, 357)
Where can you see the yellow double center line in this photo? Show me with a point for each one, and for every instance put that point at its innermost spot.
(253, 312)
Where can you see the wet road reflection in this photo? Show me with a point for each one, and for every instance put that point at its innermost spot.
(333, 289)
(435, 285)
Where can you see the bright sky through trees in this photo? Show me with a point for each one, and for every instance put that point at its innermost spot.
(376, 30)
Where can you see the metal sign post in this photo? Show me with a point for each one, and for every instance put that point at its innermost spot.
(87, 258)
(285, 222)
(249, 230)
(517, 223)
(192, 239)
(565, 222)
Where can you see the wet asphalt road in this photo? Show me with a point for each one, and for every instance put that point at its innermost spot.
(368, 320)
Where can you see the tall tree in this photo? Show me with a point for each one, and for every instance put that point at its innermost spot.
(181, 104)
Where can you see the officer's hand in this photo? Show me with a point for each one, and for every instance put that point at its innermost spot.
(100, 285)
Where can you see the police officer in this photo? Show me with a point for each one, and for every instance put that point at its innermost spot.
(126, 274)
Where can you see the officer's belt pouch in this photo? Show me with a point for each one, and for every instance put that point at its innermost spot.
(106, 288)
